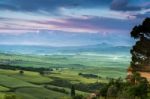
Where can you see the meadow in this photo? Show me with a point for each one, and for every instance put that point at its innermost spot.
(65, 68)
(30, 85)
(105, 66)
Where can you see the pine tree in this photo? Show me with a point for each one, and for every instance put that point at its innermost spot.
(141, 50)
(72, 91)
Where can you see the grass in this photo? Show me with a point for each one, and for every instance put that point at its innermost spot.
(65, 60)
(68, 90)
(30, 85)
(11, 82)
(67, 74)
(3, 89)
(72, 76)
(38, 93)
(36, 78)
(104, 72)
(102, 66)
(23, 88)
(32, 77)
(26, 90)
(2, 95)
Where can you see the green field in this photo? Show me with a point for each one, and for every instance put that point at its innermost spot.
(100, 65)
(38, 93)
(13, 82)
(2, 88)
(31, 85)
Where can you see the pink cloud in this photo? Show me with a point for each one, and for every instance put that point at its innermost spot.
(89, 25)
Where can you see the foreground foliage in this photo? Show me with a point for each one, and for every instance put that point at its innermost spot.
(137, 87)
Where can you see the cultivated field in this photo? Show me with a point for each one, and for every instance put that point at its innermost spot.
(57, 83)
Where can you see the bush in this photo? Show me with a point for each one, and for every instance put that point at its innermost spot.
(21, 72)
(112, 91)
(10, 96)
(78, 97)
(62, 90)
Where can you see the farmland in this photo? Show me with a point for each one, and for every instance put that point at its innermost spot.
(115, 66)
(24, 85)
(63, 70)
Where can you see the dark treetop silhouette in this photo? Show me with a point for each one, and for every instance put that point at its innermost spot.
(141, 50)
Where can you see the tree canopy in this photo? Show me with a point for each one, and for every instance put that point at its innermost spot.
(141, 50)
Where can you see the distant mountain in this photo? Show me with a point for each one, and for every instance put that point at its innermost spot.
(59, 38)
(103, 47)
(44, 50)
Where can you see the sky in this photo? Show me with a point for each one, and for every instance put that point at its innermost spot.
(70, 22)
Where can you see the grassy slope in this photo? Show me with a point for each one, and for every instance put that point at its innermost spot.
(73, 76)
(23, 87)
(32, 77)
(88, 64)
(68, 90)
(28, 83)
(46, 61)
(2, 95)
(12, 82)
(2, 88)
(38, 93)
(27, 86)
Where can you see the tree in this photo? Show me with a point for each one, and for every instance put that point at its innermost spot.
(72, 91)
(21, 72)
(112, 91)
(103, 91)
(142, 89)
(141, 50)
(135, 77)
(139, 88)
(78, 97)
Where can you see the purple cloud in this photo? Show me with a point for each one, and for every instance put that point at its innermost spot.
(89, 24)
(123, 5)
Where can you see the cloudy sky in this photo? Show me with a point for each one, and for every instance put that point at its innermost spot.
(70, 22)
